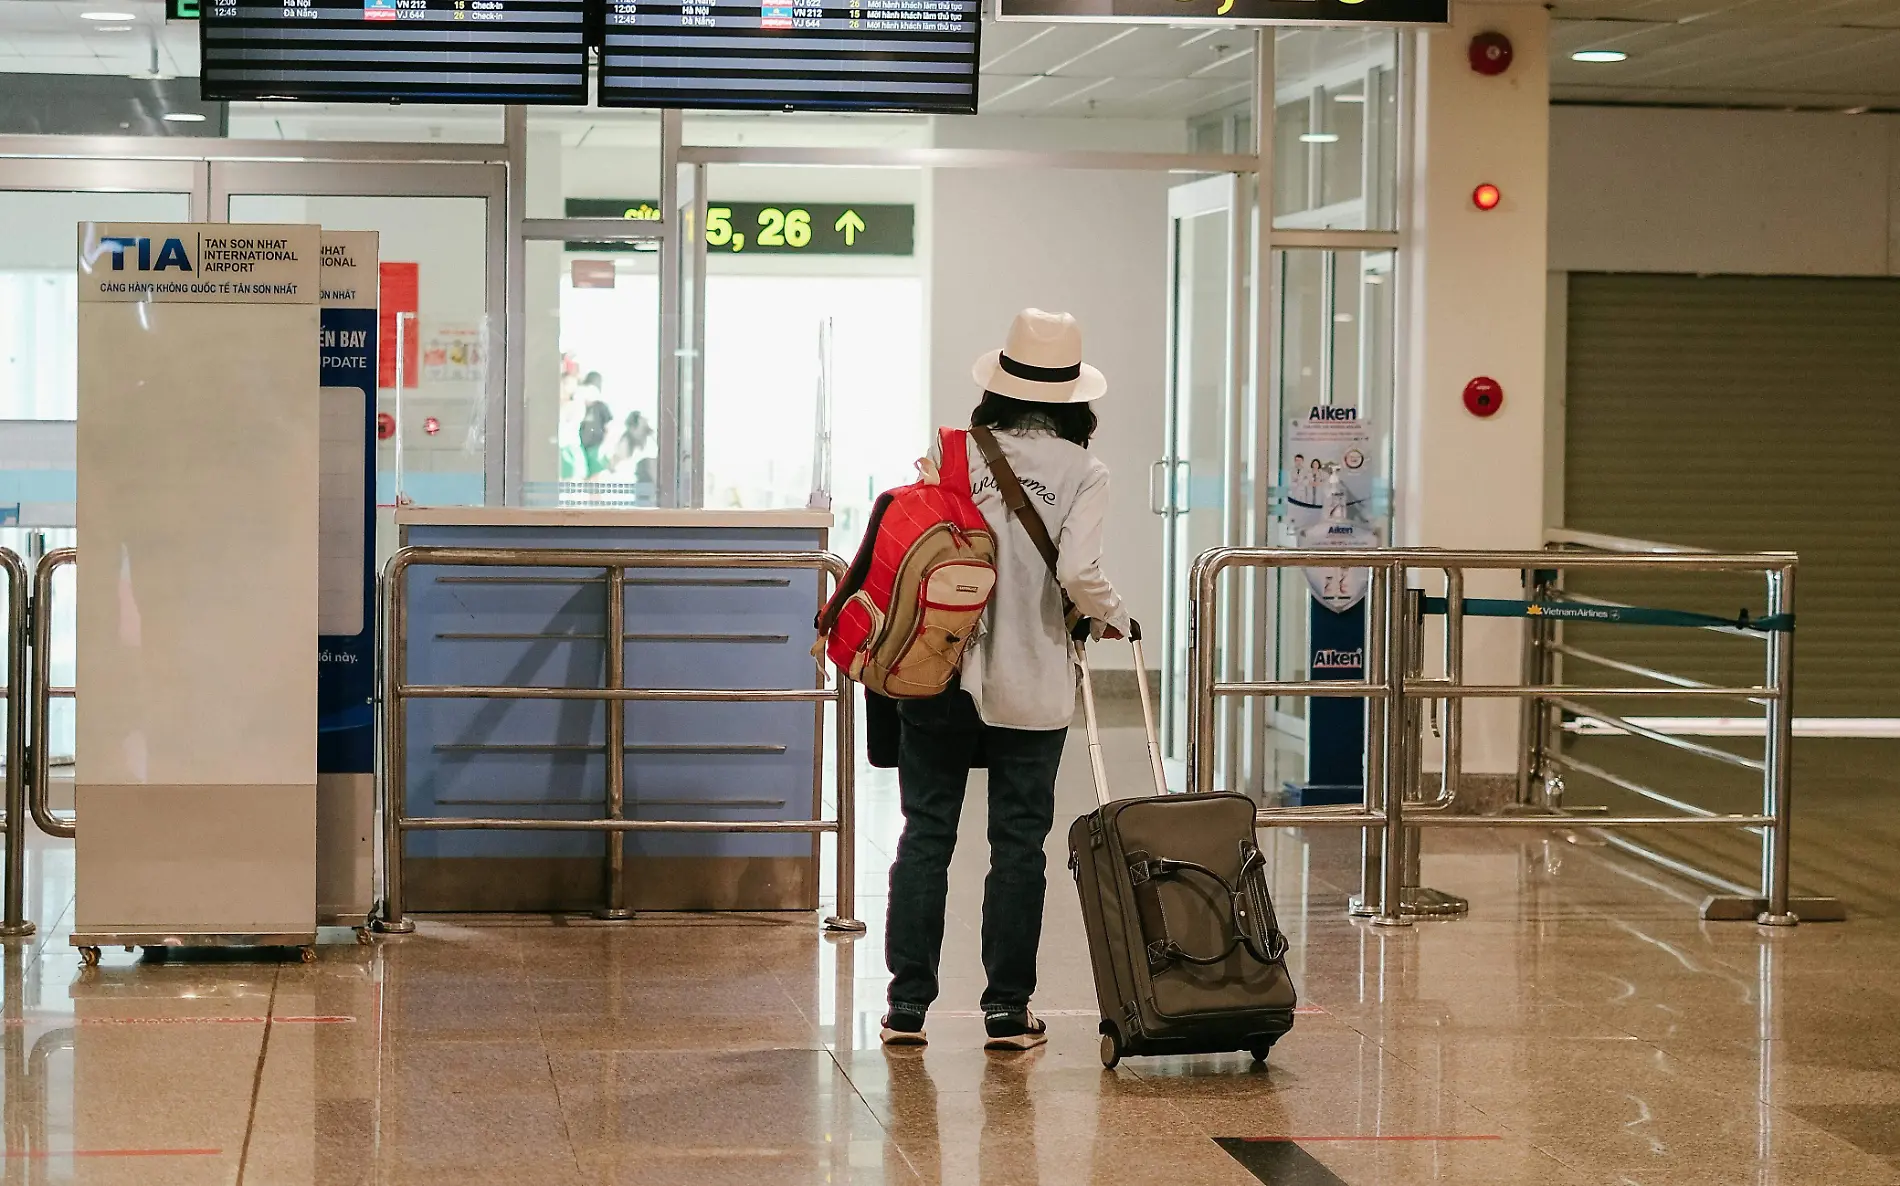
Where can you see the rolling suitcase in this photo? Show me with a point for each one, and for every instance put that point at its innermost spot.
(1188, 956)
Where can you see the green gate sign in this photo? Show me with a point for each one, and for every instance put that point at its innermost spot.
(772, 228)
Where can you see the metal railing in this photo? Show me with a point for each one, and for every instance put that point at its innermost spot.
(1391, 688)
(1542, 757)
(40, 767)
(397, 692)
(14, 923)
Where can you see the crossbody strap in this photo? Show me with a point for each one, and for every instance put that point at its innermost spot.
(1025, 511)
(1014, 497)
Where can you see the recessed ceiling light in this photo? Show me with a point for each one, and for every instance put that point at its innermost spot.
(1319, 137)
(183, 117)
(108, 16)
(1351, 97)
(1599, 55)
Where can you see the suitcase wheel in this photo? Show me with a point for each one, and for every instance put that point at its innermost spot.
(1111, 1045)
(1259, 1048)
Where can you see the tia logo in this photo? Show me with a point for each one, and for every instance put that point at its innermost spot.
(171, 254)
(1333, 659)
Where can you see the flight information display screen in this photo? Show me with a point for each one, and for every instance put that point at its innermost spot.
(416, 51)
(791, 55)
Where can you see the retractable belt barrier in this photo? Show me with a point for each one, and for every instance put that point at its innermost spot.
(1626, 615)
(1395, 688)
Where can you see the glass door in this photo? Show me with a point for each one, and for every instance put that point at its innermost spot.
(1334, 345)
(1195, 485)
(42, 203)
(442, 236)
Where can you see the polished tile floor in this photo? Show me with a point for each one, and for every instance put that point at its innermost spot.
(1581, 1026)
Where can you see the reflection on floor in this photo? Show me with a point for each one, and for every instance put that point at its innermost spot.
(1580, 1026)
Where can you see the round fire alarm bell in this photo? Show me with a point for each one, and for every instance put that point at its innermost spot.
(1491, 53)
(385, 426)
(1484, 396)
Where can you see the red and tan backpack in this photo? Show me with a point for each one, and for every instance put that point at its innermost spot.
(902, 616)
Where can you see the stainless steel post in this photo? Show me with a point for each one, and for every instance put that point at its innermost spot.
(846, 919)
(39, 793)
(1778, 757)
(1412, 775)
(1530, 741)
(1455, 675)
(616, 871)
(1415, 898)
(1201, 647)
(15, 924)
(395, 742)
(1378, 602)
(1393, 854)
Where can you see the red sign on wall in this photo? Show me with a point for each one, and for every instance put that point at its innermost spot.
(401, 284)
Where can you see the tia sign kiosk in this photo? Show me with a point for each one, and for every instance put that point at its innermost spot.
(200, 444)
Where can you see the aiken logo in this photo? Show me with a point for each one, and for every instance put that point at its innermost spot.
(1334, 659)
(1332, 413)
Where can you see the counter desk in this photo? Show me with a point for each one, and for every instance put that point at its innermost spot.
(684, 628)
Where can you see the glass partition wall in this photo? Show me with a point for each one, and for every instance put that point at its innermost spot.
(656, 309)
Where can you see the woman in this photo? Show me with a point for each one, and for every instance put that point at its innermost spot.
(592, 435)
(1017, 690)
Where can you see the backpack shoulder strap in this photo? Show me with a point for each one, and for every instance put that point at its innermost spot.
(1013, 496)
(954, 446)
(827, 619)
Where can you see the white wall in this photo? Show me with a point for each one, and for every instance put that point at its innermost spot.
(1477, 285)
(1088, 242)
(1736, 192)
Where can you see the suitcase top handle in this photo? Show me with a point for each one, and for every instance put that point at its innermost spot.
(1254, 924)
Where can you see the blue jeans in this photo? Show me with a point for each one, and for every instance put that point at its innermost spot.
(941, 738)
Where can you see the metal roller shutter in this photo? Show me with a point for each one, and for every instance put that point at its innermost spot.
(1750, 413)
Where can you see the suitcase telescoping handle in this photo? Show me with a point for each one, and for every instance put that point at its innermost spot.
(1096, 767)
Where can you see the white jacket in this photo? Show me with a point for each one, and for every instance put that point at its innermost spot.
(1019, 669)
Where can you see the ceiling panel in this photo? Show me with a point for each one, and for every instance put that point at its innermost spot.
(1801, 53)
(1756, 13)
(51, 37)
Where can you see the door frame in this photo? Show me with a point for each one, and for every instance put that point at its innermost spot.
(407, 179)
(76, 174)
(1223, 193)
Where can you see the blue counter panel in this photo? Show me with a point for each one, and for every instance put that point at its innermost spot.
(688, 628)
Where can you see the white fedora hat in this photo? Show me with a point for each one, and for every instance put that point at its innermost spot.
(1041, 362)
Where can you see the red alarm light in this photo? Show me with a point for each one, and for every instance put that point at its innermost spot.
(1487, 196)
(432, 426)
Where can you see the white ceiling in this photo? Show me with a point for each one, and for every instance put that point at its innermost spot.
(51, 37)
(1773, 53)
(1779, 53)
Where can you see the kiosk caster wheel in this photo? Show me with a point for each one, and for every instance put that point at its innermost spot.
(308, 953)
(1111, 1046)
(1259, 1050)
(89, 956)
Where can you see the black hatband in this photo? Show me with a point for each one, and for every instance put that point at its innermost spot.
(1023, 370)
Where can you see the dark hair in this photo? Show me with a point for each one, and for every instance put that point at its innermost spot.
(594, 421)
(1074, 423)
(593, 379)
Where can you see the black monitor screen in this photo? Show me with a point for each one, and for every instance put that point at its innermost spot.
(799, 55)
(417, 51)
